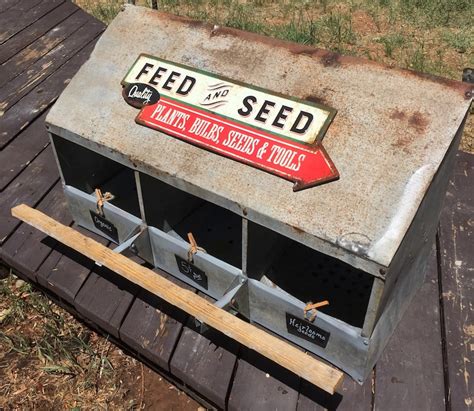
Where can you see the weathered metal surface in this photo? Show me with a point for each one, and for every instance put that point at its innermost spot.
(391, 132)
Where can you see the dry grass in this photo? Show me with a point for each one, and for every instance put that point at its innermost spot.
(49, 360)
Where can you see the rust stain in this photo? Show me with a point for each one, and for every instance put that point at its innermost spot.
(316, 99)
(418, 121)
(397, 114)
(331, 59)
(415, 121)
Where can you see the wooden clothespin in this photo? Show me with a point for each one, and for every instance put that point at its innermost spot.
(193, 247)
(312, 306)
(102, 199)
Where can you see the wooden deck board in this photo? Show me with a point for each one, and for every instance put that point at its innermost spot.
(65, 270)
(24, 149)
(29, 188)
(152, 327)
(410, 373)
(36, 30)
(18, 87)
(41, 97)
(28, 247)
(411, 366)
(17, 18)
(456, 239)
(205, 361)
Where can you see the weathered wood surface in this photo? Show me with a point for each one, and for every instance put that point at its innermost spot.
(293, 359)
(415, 349)
(25, 148)
(456, 240)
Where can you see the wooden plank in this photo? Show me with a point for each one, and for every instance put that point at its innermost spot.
(17, 8)
(351, 396)
(105, 297)
(6, 4)
(271, 347)
(210, 372)
(21, 85)
(29, 187)
(22, 151)
(26, 57)
(65, 270)
(456, 233)
(15, 44)
(410, 370)
(40, 98)
(27, 248)
(261, 384)
(16, 22)
(152, 326)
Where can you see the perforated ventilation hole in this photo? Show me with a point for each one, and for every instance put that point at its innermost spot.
(311, 276)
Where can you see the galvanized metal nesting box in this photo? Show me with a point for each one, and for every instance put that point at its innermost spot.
(225, 119)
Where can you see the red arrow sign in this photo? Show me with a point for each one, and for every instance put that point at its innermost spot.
(306, 166)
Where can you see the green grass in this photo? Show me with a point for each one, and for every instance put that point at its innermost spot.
(391, 43)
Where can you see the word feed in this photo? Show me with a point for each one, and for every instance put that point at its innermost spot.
(277, 134)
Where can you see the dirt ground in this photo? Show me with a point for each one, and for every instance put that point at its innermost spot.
(49, 360)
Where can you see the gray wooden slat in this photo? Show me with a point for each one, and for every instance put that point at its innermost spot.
(17, 7)
(40, 98)
(105, 298)
(410, 370)
(260, 384)
(14, 90)
(29, 188)
(17, 21)
(65, 270)
(15, 44)
(456, 239)
(27, 248)
(30, 54)
(17, 155)
(205, 362)
(6, 4)
(350, 396)
(152, 326)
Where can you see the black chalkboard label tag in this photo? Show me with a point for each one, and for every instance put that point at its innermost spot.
(104, 225)
(304, 329)
(192, 272)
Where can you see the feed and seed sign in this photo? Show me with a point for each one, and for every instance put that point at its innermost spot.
(278, 134)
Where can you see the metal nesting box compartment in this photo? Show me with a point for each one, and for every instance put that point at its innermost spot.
(360, 242)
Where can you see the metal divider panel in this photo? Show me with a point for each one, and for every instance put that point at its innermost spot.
(65, 270)
(27, 248)
(205, 362)
(456, 235)
(411, 366)
(152, 326)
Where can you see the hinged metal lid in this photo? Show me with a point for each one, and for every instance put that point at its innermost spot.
(391, 132)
